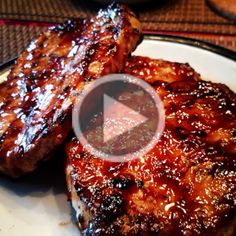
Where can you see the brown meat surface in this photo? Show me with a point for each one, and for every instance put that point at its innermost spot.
(37, 98)
(186, 185)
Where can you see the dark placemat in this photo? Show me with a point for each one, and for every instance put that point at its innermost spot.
(190, 18)
(14, 39)
(177, 15)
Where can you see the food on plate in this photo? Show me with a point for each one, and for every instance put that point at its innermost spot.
(37, 98)
(186, 185)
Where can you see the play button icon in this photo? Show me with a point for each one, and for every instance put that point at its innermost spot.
(118, 118)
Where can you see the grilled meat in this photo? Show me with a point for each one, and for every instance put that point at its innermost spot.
(186, 185)
(37, 98)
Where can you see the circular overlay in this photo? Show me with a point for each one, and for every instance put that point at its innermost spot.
(118, 118)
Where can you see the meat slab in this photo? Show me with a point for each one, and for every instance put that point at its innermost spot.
(186, 185)
(37, 98)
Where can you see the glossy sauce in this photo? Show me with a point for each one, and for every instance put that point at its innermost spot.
(187, 184)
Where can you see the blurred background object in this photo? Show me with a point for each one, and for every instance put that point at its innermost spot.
(22, 20)
(226, 8)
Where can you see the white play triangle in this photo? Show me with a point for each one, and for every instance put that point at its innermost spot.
(118, 118)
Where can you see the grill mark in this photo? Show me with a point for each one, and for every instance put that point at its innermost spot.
(26, 91)
(87, 57)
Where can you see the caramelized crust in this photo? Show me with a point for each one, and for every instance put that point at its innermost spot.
(186, 185)
(37, 98)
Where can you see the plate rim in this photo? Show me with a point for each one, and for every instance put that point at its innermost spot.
(227, 53)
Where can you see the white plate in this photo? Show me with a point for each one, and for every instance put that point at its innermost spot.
(37, 204)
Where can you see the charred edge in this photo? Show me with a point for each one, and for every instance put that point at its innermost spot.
(122, 183)
(66, 26)
(110, 209)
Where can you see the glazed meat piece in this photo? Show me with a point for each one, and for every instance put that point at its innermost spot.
(37, 98)
(186, 185)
